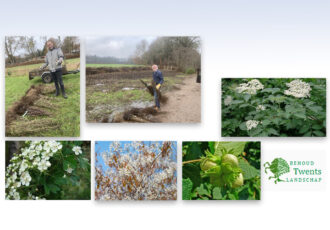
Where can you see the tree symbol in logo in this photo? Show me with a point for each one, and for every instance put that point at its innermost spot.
(278, 167)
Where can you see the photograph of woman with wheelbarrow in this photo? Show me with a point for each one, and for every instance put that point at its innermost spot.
(34, 107)
(143, 79)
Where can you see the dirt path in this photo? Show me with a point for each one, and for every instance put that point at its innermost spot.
(184, 105)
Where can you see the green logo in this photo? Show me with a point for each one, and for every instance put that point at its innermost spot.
(278, 167)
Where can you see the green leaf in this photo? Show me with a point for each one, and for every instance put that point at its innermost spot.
(273, 131)
(304, 129)
(232, 196)
(308, 134)
(234, 102)
(266, 122)
(242, 126)
(244, 105)
(271, 90)
(308, 104)
(318, 133)
(316, 109)
(60, 181)
(53, 188)
(300, 115)
(248, 170)
(192, 171)
(47, 191)
(236, 147)
(211, 146)
(202, 191)
(317, 127)
(194, 151)
(246, 97)
(83, 162)
(290, 108)
(276, 121)
(186, 189)
(217, 193)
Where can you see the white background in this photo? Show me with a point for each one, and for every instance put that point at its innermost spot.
(240, 39)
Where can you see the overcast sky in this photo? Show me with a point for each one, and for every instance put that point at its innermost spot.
(119, 47)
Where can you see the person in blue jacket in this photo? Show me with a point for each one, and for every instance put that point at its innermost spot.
(157, 80)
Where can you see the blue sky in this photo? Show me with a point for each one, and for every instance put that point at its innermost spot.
(102, 146)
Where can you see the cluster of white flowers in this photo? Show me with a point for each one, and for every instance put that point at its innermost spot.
(36, 156)
(250, 88)
(251, 124)
(261, 108)
(228, 100)
(298, 88)
(136, 171)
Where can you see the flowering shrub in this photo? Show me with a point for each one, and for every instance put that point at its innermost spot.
(135, 171)
(274, 107)
(48, 170)
(221, 171)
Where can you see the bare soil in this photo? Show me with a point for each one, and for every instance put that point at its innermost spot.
(183, 105)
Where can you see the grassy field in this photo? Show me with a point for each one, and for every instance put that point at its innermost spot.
(66, 112)
(111, 65)
(18, 71)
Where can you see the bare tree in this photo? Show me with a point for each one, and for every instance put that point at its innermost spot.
(181, 52)
(70, 45)
(12, 44)
(29, 44)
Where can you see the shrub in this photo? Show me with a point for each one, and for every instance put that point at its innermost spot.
(221, 171)
(274, 107)
(49, 170)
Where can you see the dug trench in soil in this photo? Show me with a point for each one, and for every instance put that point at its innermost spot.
(32, 104)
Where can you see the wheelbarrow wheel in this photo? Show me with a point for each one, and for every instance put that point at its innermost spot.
(47, 78)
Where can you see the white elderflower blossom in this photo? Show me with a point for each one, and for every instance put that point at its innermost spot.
(25, 179)
(261, 108)
(298, 89)
(228, 100)
(250, 124)
(251, 87)
(77, 150)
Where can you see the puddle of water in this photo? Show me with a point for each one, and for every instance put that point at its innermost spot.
(127, 88)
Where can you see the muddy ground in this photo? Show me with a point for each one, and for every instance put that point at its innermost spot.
(183, 105)
(121, 97)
